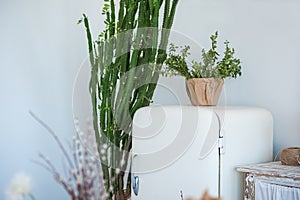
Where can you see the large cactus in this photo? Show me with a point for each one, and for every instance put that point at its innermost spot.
(125, 60)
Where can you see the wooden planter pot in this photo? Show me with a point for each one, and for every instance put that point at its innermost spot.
(204, 91)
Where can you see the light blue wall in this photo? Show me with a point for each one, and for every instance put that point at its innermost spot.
(266, 36)
(42, 48)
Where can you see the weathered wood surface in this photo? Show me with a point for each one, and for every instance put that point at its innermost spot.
(272, 173)
(272, 169)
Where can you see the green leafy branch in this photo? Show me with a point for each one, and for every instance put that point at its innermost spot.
(228, 66)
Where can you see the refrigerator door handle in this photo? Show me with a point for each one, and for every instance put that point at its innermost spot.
(135, 180)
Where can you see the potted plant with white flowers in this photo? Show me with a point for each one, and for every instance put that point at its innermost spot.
(204, 80)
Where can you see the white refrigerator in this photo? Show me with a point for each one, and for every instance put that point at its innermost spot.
(184, 150)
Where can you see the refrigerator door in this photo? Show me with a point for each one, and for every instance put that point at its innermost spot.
(248, 138)
(166, 152)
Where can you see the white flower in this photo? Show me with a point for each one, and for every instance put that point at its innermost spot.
(18, 187)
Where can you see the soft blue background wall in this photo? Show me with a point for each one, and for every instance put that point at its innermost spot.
(42, 48)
